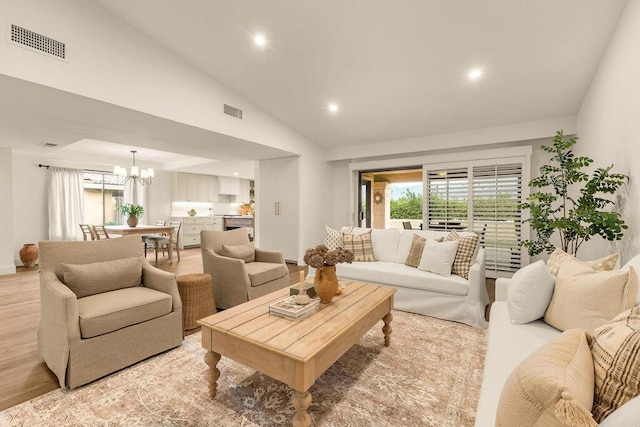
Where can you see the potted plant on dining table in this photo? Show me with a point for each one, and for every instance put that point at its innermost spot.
(133, 212)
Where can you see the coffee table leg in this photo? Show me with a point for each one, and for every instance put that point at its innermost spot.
(301, 401)
(212, 360)
(386, 329)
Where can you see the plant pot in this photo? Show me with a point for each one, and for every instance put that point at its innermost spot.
(326, 283)
(132, 221)
(29, 254)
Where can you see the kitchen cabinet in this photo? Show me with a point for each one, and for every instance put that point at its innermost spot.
(245, 190)
(277, 192)
(190, 187)
(189, 236)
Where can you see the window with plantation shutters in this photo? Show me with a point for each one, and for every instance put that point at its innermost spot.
(497, 218)
(447, 198)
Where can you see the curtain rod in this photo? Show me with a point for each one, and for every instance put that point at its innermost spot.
(40, 165)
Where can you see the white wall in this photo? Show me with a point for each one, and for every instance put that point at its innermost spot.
(159, 197)
(6, 254)
(609, 127)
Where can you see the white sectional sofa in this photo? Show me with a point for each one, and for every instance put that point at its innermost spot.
(509, 344)
(450, 298)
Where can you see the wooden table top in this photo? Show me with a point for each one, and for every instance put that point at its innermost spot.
(300, 339)
(139, 229)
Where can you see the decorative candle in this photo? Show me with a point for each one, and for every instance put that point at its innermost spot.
(301, 279)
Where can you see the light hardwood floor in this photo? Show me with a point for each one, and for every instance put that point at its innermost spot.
(23, 374)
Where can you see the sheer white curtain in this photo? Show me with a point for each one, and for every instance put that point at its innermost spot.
(135, 193)
(66, 203)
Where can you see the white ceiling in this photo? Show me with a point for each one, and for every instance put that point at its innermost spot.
(397, 68)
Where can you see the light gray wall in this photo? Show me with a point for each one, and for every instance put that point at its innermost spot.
(6, 215)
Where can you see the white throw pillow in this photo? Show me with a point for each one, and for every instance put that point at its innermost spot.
(529, 293)
(635, 263)
(438, 257)
(628, 415)
(385, 243)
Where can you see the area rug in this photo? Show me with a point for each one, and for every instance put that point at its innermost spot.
(429, 376)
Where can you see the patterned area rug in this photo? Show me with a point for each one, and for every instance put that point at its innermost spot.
(429, 376)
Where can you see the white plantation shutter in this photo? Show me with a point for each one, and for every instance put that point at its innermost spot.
(447, 198)
(497, 194)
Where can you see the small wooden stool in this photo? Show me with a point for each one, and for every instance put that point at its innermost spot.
(197, 297)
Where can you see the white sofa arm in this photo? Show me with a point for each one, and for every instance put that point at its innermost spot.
(477, 280)
(501, 288)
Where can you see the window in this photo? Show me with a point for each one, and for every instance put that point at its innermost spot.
(497, 194)
(102, 198)
(484, 197)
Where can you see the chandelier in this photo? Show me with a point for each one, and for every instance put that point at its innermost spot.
(142, 176)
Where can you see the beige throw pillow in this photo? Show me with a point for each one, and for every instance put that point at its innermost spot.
(246, 252)
(99, 277)
(586, 298)
(552, 387)
(360, 245)
(615, 347)
(558, 257)
(415, 253)
(333, 238)
(464, 257)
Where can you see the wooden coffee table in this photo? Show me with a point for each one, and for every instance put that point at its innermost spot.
(295, 352)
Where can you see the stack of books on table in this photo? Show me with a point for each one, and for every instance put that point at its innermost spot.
(288, 308)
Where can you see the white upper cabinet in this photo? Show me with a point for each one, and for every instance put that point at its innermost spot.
(229, 185)
(245, 190)
(191, 187)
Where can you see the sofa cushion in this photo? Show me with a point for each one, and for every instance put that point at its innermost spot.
(98, 277)
(385, 243)
(529, 293)
(415, 253)
(558, 257)
(394, 274)
(109, 311)
(333, 238)
(263, 272)
(406, 238)
(466, 253)
(586, 298)
(625, 416)
(616, 354)
(551, 387)
(438, 257)
(635, 263)
(360, 245)
(246, 252)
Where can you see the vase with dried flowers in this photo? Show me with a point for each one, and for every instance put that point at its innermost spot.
(324, 261)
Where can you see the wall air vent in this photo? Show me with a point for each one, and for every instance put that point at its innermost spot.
(48, 145)
(233, 111)
(27, 38)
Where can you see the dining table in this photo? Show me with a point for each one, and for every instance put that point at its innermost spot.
(125, 230)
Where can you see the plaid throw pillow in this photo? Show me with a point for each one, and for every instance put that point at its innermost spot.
(333, 238)
(360, 246)
(464, 255)
(616, 359)
(415, 253)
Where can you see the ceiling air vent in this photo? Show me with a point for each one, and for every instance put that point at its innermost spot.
(233, 111)
(48, 145)
(27, 38)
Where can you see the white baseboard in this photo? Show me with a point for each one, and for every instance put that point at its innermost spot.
(7, 269)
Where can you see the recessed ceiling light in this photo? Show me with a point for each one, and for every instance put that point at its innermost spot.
(333, 107)
(475, 74)
(260, 40)
(235, 174)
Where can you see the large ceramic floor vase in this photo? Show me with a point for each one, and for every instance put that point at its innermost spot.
(29, 254)
(326, 283)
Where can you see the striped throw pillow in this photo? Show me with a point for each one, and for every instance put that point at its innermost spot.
(616, 359)
(464, 256)
(415, 253)
(360, 245)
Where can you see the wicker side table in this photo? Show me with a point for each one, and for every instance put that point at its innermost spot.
(197, 297)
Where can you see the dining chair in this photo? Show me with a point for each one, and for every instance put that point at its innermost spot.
(151, 244)
(100, 232)
(87, 231)
(160, 242)
(407, 225)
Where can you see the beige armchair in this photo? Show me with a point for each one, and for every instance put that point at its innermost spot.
(239, 271)
(103, 307)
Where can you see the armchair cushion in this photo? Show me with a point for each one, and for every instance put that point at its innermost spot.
(262, 272)
(97, 277)
(109, 311)
(247, 252)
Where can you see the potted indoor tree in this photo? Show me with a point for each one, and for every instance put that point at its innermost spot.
(570, 202)
(132, 212)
